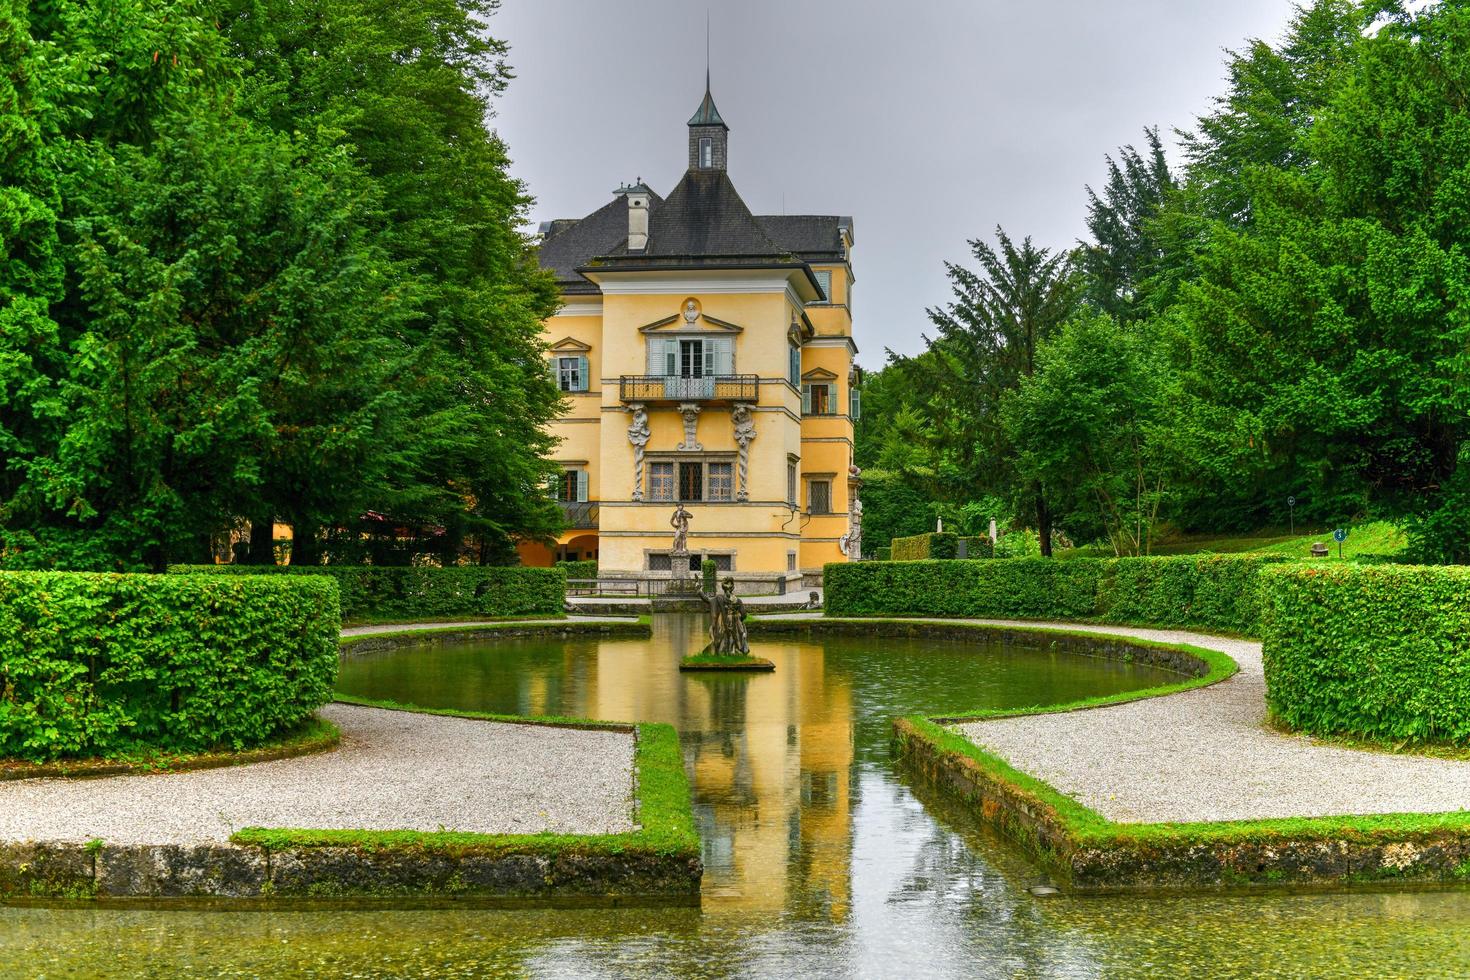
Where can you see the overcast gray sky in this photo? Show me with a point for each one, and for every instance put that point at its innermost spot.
(930, 122)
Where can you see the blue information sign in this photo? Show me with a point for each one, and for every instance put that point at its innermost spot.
(1339, 535)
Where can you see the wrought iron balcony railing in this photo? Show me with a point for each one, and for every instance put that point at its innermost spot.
(672, 388)
(580, 515)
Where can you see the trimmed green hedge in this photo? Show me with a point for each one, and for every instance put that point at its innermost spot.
(394, 592)
(578, 569)
(926, 546)
(1214, 592)
(1381, 651)
(883, 554)
(977, 547)
(106, 665)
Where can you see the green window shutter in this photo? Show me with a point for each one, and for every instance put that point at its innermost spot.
(582, 378)
(806, 399)
(720, 353)
(582, 486)
(854, 403)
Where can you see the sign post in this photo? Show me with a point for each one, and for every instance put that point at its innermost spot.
(1339, 535)
(1291, 508)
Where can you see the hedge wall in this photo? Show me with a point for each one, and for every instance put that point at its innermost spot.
(1381, 651)
(1214, 592)
(926, 546)
(579, 569)
(102, 665)
(393, 592)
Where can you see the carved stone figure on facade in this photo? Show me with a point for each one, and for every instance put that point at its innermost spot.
(638, 435)
(851, 543)
(691, 311)
(727, 622)
(744, 422)
(680, 523)
(690, 412)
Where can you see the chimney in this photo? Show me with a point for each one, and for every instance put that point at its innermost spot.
(637, 196)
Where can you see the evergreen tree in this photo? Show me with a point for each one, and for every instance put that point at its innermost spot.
(987, 342)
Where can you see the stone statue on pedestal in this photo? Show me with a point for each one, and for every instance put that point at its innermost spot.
(727, 622)
(680, 523)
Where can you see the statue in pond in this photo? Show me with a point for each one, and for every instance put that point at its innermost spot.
(680, 523)
(727, 622)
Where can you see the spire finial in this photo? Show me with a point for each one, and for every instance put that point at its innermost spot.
(706, 49)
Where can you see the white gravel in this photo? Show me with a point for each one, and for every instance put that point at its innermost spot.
(394, 770)
(1206, 755)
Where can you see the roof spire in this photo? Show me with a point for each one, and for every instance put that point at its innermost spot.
(707, 114)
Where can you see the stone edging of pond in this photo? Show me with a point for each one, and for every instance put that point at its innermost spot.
(1087, 853)
(656, 863)
(422, 634)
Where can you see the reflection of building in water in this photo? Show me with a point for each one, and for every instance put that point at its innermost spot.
(771, 760)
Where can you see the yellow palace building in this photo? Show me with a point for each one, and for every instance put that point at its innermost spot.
(706, 354)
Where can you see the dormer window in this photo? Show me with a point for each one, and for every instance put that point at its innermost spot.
(706, 152)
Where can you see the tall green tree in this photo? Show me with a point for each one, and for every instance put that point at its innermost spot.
(1125, 252)
(1094, 426)
(987, 342)
(410, 86)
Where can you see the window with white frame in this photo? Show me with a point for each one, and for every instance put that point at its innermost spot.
(791, 482)
(691, 357)
(571, 372)
(794, 369)
(854, 403)
(706, 152)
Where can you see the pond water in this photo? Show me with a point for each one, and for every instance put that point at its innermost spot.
(821, 858)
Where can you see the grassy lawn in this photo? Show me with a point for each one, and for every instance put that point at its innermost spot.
(1373, 538)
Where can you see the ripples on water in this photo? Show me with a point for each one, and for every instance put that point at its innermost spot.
(820, 858)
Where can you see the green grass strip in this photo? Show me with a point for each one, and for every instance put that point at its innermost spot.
(662, 807)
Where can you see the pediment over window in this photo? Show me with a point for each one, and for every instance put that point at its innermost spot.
(819, 374)
(570, 345)
(677, 324)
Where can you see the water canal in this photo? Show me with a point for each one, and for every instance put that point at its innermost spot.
(821, 859)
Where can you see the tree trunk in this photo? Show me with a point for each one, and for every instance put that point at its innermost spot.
(262, 541)
(1043, 521)
(305, 548)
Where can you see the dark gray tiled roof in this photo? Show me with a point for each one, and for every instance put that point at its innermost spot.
(570, 242)
(702, 217)
(815, 237)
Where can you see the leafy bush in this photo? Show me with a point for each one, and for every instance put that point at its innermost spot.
(391, 592)
(1381, 651)
(709, 571)
(579, 569)
(1214, 592)
(926, 546)
(99, 665)
(883, 554)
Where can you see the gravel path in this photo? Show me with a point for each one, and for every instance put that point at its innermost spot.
(394, 770)
(1206, 755)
